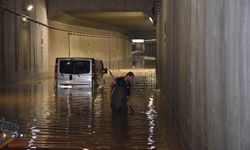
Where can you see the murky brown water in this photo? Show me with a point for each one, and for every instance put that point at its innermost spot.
(82, 122)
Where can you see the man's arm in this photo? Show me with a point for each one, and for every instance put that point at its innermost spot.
(113, 80)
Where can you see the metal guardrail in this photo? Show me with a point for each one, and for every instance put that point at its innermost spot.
(5, 125)
(8, 132)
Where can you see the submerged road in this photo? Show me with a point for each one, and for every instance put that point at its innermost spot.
(85, 122)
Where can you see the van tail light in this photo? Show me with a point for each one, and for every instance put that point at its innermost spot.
(55, 73)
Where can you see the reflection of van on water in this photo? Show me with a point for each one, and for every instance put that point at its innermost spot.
(73, 72)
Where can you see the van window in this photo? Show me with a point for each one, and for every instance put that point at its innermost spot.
(82, 67)
(74, 67)
(66, 66)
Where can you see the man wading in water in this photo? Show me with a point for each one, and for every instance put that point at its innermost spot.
(120, 93)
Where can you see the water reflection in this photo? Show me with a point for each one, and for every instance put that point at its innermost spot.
(151, 116)
(34, 132)
(120, 129)
(75, 111)
(77, 119)
(83, 90)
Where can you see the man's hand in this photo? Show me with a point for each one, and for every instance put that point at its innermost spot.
(130, 108)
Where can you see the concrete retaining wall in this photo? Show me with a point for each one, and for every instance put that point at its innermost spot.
(23, 45)
(203, 68)
(112, 47)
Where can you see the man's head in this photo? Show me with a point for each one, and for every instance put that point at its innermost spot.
(129, 76)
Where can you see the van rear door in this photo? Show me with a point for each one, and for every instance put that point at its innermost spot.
(83, 72)
(65, 71)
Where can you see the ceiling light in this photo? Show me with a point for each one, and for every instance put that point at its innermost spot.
(25, 19)
(138, 40)
(151, 19)
(150, 40)
(30, 7)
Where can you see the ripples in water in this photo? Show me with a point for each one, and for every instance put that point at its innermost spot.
(84, 122)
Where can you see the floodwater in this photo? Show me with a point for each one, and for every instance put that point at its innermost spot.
(79, 120)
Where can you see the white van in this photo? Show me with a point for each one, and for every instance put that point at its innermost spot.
(74, 72)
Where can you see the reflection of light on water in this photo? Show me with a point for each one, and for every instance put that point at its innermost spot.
(151, 116)
(98, 105)
(68, 106)
(34, 132)
(97, 112)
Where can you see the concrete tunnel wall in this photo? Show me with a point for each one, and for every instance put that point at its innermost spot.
(28, 50)
(111, 47)
(23, 45)
(203, 68)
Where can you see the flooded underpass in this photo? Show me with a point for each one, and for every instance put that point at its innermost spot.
(83, 121)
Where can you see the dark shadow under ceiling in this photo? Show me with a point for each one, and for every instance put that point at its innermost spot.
(132, 24)
(124, 20)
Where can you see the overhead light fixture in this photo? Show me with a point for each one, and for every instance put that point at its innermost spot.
(150, 40)
(30, 7)
(138, 40)
(151, 19)
(25, 19)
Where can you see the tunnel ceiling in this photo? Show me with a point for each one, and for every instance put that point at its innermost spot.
(132, 22)
(126, 20)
